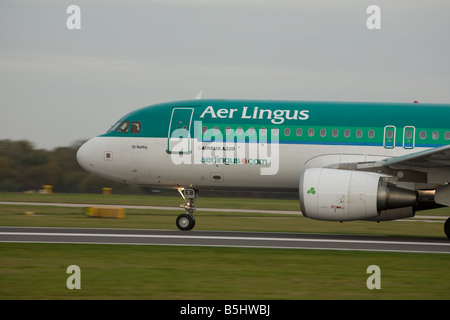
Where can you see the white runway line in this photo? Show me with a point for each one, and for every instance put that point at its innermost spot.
(104, 235)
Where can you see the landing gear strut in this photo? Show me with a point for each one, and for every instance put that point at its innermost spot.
(186, 221)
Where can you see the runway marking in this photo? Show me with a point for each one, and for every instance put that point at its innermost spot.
(221, 238)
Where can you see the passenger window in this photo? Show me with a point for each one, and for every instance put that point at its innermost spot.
(435, 135)
(311, 132)
(423, 134)
(135, 127)
(298, 132)
(275, 131)
(359, 133)
(123, 127)
(251, 131)
(371, 133)
(204, 128)
(287, 132)
(335, 132)
(323, 132)
(447, 135)
(263, 131)
(347, 133)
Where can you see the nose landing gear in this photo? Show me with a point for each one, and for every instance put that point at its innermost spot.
(186, 221)
(447, 228)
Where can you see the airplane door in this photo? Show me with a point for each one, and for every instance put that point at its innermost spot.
(389, 137)
(408, 137)
(180, 130)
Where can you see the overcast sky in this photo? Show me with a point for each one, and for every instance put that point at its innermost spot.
(58, 86)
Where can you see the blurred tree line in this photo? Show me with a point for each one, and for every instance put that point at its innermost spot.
(23, 168)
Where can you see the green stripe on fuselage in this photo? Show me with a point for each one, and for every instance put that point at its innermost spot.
(305, 115)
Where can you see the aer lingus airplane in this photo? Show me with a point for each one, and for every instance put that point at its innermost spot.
(347, 160)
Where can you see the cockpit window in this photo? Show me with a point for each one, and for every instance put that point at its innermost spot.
(123, 127)
(114, 127)
(135, 127)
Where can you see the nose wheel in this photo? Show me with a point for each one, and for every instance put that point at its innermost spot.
(447, 228)
(186, 221)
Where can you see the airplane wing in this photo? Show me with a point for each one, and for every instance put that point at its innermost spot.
(433, 158)
(428, 161)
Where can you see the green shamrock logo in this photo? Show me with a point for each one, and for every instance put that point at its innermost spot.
(311, 191)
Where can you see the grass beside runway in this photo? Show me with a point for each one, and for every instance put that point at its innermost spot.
(153, 200)
(38, 271)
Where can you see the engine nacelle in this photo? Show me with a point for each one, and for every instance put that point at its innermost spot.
(343, 195)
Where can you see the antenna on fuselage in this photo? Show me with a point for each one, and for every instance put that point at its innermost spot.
(199, 95)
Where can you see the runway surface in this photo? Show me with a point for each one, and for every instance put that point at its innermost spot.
(224, 239)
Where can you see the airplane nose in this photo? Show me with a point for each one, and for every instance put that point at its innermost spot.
(85, 156)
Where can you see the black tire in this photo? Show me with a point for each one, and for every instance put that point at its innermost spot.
(185, 222)
(447, 228)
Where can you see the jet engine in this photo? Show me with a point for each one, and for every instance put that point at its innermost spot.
(344, 195)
